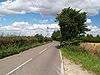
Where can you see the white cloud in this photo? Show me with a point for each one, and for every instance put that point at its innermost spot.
(43, 21)
(48, 7)
(26, 29)
(88, 21)
(94, 30)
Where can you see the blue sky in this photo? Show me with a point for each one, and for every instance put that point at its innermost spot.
(35, 12)
(34, 18)
(31, 18)
(95, 20)
(2, 0)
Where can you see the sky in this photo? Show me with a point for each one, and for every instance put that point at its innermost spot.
(30, 17)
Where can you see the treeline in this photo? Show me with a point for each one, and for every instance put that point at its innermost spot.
(56, 35)
(88, 38)
(10, 45)
(91, 38)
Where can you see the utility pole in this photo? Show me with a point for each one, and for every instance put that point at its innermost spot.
(47, 32)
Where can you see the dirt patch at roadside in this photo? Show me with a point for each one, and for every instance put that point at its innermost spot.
(70, 68)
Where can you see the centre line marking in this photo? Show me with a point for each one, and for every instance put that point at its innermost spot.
(19, 67)
(42, 51)
(45, 49)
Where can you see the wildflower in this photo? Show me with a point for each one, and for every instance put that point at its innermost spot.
(94, 50)
(91, 52)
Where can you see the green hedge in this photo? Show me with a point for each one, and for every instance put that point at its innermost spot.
(8, 42)
(19, 41)
(16, 50)
(16, 44)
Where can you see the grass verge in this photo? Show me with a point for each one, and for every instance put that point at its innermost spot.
(16, 50)
(79, 55)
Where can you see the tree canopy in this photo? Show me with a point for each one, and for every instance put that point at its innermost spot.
(72, 23)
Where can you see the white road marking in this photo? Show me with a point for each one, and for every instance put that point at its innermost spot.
(19, 67)
(45, 49)
(42, 51)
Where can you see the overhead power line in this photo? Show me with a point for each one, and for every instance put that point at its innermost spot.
(35, 3)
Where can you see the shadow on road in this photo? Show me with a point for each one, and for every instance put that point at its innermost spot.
(58, 47)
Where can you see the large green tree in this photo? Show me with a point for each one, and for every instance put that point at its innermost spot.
(72, 23)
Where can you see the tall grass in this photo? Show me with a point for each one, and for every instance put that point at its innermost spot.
(78, 54)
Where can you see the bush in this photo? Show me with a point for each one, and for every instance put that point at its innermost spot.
(19, 41)
(70, 43)
(75, 48)
(15, 44)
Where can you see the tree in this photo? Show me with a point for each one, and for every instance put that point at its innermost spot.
(56, 35)
(39, 37)
(72, 23)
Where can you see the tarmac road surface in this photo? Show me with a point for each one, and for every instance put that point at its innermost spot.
(42, 60)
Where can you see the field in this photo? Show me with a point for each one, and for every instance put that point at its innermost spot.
(92, 48)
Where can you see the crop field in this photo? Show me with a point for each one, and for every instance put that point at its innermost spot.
(92, 48)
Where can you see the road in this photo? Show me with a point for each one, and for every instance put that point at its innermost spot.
(42, 60)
